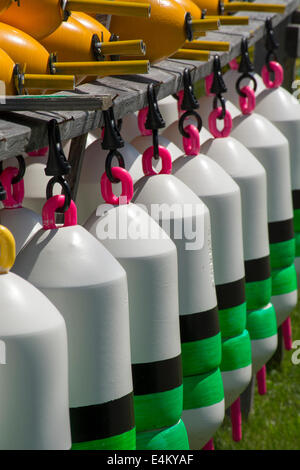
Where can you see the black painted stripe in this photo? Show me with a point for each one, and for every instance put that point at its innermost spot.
(89, 423)
(258, 269)
(197, 326)
(281, 231)
(155, 377)
(231, 294)
(296, 198)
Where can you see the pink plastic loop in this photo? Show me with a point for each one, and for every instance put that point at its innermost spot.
(208, 84)
(14, 192)
(261, 378)
(233, 64)
(247, 104)
(127, 187)
(212, 123)
(236, 420)
(209, 445)
(191, 144)
(48, 212)
(39, 153)
(278, 75)
(287, 333)
(180, 95)
(142, 117)
(166, 161)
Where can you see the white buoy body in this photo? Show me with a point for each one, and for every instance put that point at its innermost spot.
(149, 258)
(271, 148)
(203, 396)
(89, 287)
(250, 176)
(34, 407)
(222, 196)
(23, 224)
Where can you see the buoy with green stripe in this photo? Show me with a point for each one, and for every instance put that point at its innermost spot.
(34, 401)
(186, 219)
(89, 287)
(149, 258)
(271, 148)
(250, 176)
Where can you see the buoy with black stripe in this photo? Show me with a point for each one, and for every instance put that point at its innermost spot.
(34, 399)
(271, 148)
(21, 221)
(149, 258)
(89, 287)
(178, 207)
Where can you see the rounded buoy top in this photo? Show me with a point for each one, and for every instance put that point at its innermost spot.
(7, 250)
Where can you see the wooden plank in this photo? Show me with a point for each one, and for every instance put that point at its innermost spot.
(59, 102)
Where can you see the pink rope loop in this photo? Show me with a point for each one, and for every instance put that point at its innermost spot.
(208, 84)
(166, 161)
(127, 187)
(39, 153)
(278, 75)
(233, 64)
(236, 420)
(287, 333)
(212, 123)
(14, 192)
(191, 144)
(48, 212)
(142, 117)
(209, 445)
(261, 378)
(247, 104)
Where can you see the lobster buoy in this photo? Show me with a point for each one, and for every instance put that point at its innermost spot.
(88, 196)
(271, 148)
(250, 176)
(203, 395)
(34, 406)
(21, 221)
(89, 287)
(222, 197)
(150, 261)
(282, 109)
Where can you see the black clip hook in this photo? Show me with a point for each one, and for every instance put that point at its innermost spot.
(22, 169)
(189, 101)
(57, 164)
(218, 85)
(154, 119)
(246, 68)
(271, 44)
(112, 138)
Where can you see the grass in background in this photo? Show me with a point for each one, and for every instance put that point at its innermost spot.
(274, 422)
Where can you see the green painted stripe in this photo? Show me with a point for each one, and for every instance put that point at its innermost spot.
(297, 220)
(258, 293)
(297, 242)
(236, 352)
(284, 280)
(233, 320)
(262, 323)
(282, 254)
(124, 441)
(172, 438)
(158, 410)
(202, 390)
(201, 356)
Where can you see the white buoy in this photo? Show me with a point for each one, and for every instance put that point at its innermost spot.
(178, 208)
(271, 148)
(22, 222)
(149, 258)
(250, 176)
(34, 406)
(222, 196)
(89, 287)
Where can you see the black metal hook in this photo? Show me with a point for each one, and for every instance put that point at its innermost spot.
(66, 191)
(112, 138)
(182, 119)
(218, 85)
(271, 43)
(108, 162)
(154, 119)
(57, 164)
(189, 101)
(223, 105)
(22, 169)
(246, 68)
